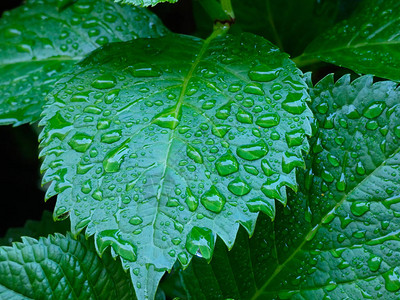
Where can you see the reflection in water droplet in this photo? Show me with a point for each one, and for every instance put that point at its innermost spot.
(200, 239)
(239, 187)
(263, 73)
(227, 164)
(268, 120)
(213, 200)
(105, 81)
(252, 151)
(144, 70)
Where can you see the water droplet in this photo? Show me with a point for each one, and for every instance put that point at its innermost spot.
(295, 137)
(208, 104)
(113, 238)
(111, 136)
(390, 201)
(263, 73)
(200, 239)
(374, 263)
(259, 204)
(220, 130)
(113, 159)
(358, 208)
(323, 108)
(251, 170)
(86, 187)
(239, 187)
(136, 220)
(183, 258)
(327, 176)
(103, 124)
(268, 120)
(374, 110)
(191, 201)
(252, 151)
(352, 112)
(144, 70)
(97, 195)
(244, 117)
(81, 97)
(392, 279)
(294, 104)
(254, 89)
(271, 188)
(80, 142)
(168, 118)
(333, 160)
(397, 131)
(290, 161)
(213, 200)
(105, 81)
(227, 164)
(224, 112)
(194, 154)
(266, 167)
(341, 183)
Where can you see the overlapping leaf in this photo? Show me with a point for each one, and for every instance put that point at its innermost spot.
(145, 2)
(367, 43)
(157, 145)
(60, 267)
(40, 42)
(339, 237)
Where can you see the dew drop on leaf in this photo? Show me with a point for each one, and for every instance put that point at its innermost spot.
(105, 81)
(200, 239)
(239, 187)
(252, 151)
(227, 164)
(213, 200)
(268, 120)
(263, 73)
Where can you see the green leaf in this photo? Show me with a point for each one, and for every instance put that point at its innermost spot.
(35, 229)
(145, 2)
(289, 24)
(39, 44)
(159, 145)
(367, 43)
(60, 267)
(339, 236)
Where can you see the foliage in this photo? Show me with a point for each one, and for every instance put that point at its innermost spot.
(164, 149)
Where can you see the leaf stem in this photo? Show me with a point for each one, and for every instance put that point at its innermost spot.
(303, 60)
(227, 8)
(220, 12)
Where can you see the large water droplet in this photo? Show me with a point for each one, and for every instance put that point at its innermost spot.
(194, 154)
(213, 200)
(374, 110)
(224, 112)
(374, 263)
(272, 189)
(290, 161)
(252, 151)
(268, 120)
(168, 118)
(294, 104)
(244, 117)
(239, 187)
(136, 220)
(111, 136)
(254, 89)
(105, 81)
(113, 159)
(191, 201)
(333, 160)
(266, 167)
(200, 239)
(392, 279)
(260, 204)
(227, 164)
(80, 142)
(263, 73)
(220, 130)
(341, 183)
(295, 137)
(358, 208)
(113, 238)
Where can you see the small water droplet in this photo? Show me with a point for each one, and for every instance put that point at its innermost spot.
(168, 118)
(374, 263)
(220, 130)
(144, 70)
(105, 81)
(358, 208)
(294, 104)
(80, 142)
(263, 73)
(113, 159)
(268, 120)
(191, 201)
(111, 136)
(227, 164)
(194, 154)
(136, 220)
(244, 117)
(254, 89)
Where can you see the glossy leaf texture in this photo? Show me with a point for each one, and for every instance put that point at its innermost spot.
(159, 145)
(39, 43)
(35, 229)
(145, 2)
(366, 43)
(291, 25)
(60, 267)
(338, 238)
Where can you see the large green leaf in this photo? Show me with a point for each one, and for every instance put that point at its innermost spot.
(60, 267)
(339, 237)
(145, 2)
(35, 229)
(157, 145)
(291, 25)
(39, 43)
(367, 43)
